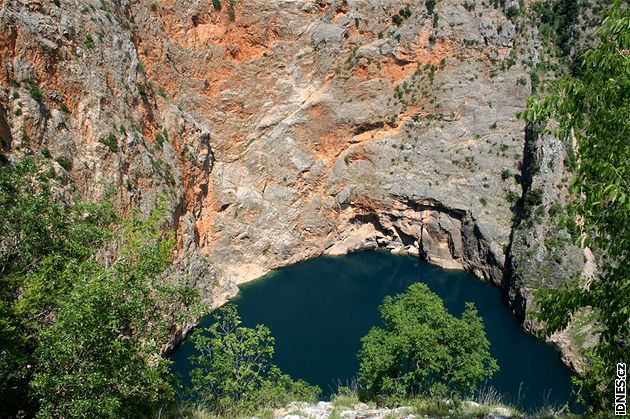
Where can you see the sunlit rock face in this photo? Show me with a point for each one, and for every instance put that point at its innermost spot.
(278, 130)
(334, 121)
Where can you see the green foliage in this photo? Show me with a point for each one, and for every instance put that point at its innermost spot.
(512, 12)
(38, 237)
(231, 11)
(555, 20)
(506, 174)
(593, 108)
(235, 375)
(405, 12)
(534, 198)
(430, 5)
(345, 397)
(34, 227)
(88, 42)
(531, 211)
(34, 91)
(81, 334)
(469, 5)
(142, 91)
(98, 358)
(216, 4)
(160, 138)
(423, 349)
(111, 142)
(512, 197)
(64, 162)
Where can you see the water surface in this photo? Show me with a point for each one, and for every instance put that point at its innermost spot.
(319, 309)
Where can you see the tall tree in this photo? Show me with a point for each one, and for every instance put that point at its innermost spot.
(81, 335)
(39, 235)
(593, 110)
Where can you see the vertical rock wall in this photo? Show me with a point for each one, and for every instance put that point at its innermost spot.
(280, 130)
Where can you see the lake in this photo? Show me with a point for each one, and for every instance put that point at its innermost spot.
(319, 309)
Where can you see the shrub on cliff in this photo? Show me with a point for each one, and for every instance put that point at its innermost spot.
(234, 374)
(423, 349)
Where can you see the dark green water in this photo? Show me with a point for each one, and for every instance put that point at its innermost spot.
(319, 309)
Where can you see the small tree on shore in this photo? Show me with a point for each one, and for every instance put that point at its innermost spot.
(235, 375)
(423, 349)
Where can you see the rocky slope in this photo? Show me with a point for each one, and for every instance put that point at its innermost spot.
(324, 410)
(278, 130)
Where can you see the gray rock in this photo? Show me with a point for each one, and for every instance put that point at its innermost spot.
(327, 33)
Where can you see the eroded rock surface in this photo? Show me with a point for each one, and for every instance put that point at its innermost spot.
(325, 115)
(279, 130)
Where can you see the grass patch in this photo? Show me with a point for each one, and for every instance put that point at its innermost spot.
(88, 42)
(35, 91)
(346, 397)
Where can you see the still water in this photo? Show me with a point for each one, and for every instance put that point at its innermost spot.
(319, 309)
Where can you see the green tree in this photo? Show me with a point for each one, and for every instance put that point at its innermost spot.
(39, 235)
(235, 374)
(100, 356)
(81, 331)
(593, 110)
(423, 349)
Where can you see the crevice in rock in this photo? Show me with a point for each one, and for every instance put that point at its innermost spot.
(5, 135)
(445, 236)
(362, 128)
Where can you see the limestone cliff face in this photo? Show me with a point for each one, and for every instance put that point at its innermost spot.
(279, 130)
(329, 120)
(543, 250)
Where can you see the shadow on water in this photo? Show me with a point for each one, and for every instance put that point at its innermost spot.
(319, 309)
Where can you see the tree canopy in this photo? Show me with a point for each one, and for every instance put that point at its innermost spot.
(423, 349)
(235, 374)
(81, 331)
(592, 109)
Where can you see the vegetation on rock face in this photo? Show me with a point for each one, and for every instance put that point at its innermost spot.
(555, 20)
(235, 375)
(592, 110)
(423, 349)
(80, 331)
(111, 142)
